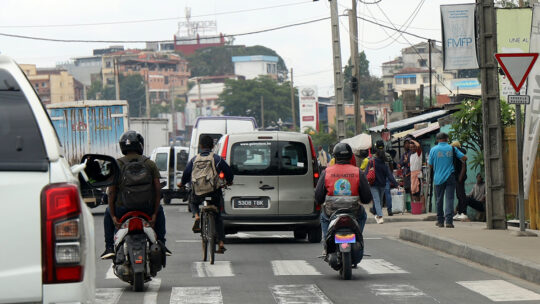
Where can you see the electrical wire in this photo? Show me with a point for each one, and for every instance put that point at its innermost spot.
(151, 20)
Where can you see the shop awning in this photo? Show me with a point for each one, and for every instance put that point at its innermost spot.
(417, 133)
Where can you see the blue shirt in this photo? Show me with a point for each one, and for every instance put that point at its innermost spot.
(440, 157)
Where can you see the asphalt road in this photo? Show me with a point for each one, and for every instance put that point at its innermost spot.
(272, 267)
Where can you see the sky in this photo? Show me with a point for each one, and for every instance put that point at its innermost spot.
(305, 48)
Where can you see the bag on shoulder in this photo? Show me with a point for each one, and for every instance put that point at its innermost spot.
(204, 177)
(136, 184)
(371, 173)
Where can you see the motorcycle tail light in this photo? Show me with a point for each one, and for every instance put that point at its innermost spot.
(67, 230)
(135, 224)
(344, 221)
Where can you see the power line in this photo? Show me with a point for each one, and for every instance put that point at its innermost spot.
(151, 20)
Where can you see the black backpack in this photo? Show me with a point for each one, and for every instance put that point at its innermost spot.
(136, 184)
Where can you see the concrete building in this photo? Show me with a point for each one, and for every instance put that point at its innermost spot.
(84, 69)
(53, 85)
(254, 66)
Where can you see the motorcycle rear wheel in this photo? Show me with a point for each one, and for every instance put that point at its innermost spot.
(138, 281)
(346, 266)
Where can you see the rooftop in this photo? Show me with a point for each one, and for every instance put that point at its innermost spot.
(408, 122)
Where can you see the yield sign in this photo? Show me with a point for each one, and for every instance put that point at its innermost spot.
(516, 66)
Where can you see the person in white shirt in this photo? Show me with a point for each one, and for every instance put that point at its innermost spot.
(415, 162)
(323, 158)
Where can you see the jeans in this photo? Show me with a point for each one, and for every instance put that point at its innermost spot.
(377, 193)
(449, 186)
(477, 205)
(361, 218)
(388, 197)
(217, 200)
(109, 229)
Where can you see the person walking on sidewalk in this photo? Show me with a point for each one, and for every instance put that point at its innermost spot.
(441, 160)
(382, 174)
(461, 176)
(405, 167)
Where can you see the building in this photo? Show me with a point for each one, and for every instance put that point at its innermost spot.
(53, 85)
(194, 35)
(254, 66)
(84, 69)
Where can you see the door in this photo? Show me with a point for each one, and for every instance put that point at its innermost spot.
(181, 161)
(296, 191)
(162, 162)
(255, 188)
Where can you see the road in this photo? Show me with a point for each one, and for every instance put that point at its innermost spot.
(272, 267)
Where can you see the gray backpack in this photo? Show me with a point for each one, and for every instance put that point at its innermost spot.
(136, 184)
(204, 177)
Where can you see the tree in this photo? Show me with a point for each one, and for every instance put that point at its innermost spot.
(243, 98)
(467, 127)
(98, 92)
(370, 86)
(132, 89)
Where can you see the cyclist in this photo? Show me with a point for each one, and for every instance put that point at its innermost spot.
(202, 172)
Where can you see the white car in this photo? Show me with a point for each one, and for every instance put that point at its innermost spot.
(47, 253)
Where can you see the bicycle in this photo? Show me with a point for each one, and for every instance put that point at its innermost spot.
(208, 229)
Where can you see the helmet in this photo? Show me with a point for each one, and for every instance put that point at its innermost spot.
(131, 141)
(343, 151)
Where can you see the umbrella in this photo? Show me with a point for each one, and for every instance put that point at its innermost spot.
(359, 142)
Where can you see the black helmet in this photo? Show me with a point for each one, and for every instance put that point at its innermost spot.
(342, 151)
(131, 141)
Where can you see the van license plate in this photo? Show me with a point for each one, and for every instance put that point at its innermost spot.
(250, 203)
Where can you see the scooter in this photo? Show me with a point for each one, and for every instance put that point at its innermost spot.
(344, 242)
(139, 255)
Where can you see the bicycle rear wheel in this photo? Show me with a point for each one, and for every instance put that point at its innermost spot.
(204, 236)
(211, 236)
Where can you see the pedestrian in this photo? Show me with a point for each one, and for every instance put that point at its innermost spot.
(476, 199)
(461, 176)
(416, 169)
(444, 179)
(382, 175)
(323, 158)
(405, 169)
(390, 163)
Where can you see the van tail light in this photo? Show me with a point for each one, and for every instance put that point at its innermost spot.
(60, 234)
(315, 163)
(225, 145)
(317, 207)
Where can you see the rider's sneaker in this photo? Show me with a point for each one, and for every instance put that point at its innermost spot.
(167, 251)
(108, 253)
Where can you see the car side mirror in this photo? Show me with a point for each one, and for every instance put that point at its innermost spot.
(100, 170)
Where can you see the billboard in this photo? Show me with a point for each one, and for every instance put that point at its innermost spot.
(309, 107)
(459, 42)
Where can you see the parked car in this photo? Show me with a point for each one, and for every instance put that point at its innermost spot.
(275, 174)
(48, 253)
(171, 162)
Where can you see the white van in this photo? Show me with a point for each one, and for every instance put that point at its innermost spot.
(171, 162)
(216, 127)
(275, 174)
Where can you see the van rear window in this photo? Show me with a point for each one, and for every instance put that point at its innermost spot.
(161, 161)
(181, 160)
(293, 158)
(254, 158)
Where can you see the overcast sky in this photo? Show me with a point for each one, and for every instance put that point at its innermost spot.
(306, 48)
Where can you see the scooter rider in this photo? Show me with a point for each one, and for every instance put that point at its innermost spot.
(343, 179)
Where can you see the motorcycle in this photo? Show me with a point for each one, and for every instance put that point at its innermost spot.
(139, 255)
(344, 241)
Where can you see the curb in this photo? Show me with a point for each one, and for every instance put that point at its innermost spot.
(525, 270)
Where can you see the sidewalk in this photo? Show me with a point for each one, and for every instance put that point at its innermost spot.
(498, 249)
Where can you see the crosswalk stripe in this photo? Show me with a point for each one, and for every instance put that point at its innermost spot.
(380, 266)
(398, 293)
(499, 290)
(196, 295)
(293, 267)
(110, 273)
(151, 293)
(219, 269)
(108, 295)
(299, 294)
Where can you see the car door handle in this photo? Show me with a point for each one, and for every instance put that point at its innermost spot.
(266, 187)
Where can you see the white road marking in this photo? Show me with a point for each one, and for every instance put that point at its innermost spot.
(398, 293)
(110, 273)
(499, 290)
(373, 238)
(243, 235)
(108, 295)
(293, 267)
(188, 241)
(219, 269)
(151, 293)
(379, 266)
(299, 294)
(196, 295)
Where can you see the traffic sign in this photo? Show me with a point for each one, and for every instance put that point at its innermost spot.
(519, 99)
(516, 66)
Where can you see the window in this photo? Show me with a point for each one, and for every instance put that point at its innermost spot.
(293, 158)
(425, 79)
(22, 147)
(268, 68)
(43, 84)
(181, 160)
(389, 86)
(405, 80)
(422, 62)
(166, 79)
(161, 161)
(399, 80)
(253, 158)
(108, 64)
(412, 80)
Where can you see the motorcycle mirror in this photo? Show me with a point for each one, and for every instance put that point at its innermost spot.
(100, 170)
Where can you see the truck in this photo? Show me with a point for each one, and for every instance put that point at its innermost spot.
(155, 132)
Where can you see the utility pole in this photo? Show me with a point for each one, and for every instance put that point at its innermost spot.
(491, 115)
(116, 82)
(147, 93)
(338, 77)
(355, 85)
(292, 101)
(430, 75)
(174, 123)
(262, 112)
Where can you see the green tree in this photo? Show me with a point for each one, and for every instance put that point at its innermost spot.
(467, 127)
(243, 98)
(98, 92)
(132, 89)
(370, 86)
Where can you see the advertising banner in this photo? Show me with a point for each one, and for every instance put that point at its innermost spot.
(532, 111)
(459, 42)
(513, 34)
(309, 108)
